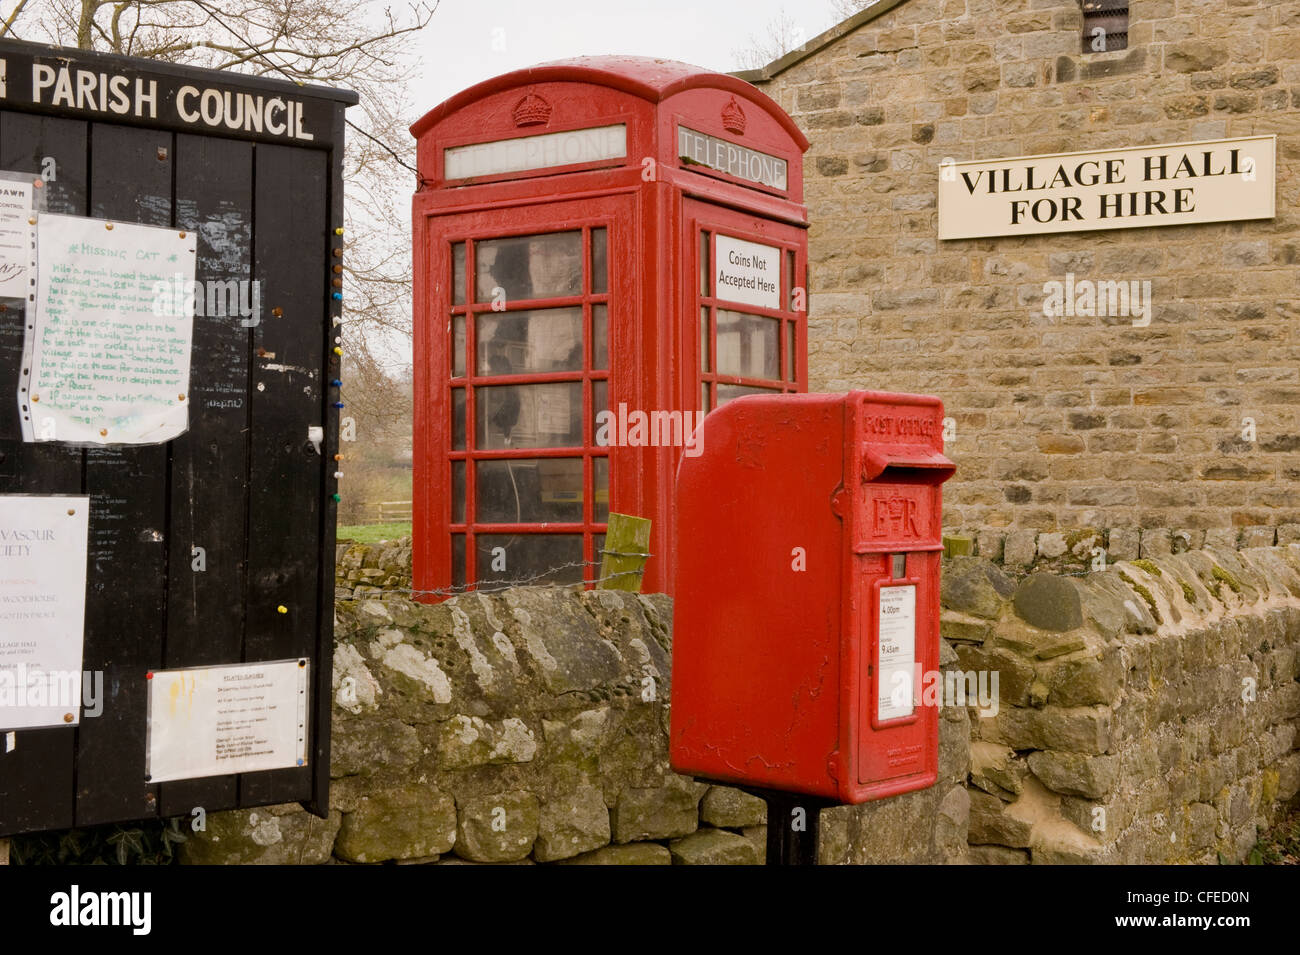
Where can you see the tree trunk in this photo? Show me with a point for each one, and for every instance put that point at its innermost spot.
(88, 8)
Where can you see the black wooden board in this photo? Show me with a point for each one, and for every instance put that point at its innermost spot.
(196, 544)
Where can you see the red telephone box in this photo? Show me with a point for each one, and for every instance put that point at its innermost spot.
(604, 250)
(806, 615)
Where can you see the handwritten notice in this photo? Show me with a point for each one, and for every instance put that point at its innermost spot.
(221, 720)
(17, 235)
(109, 346)
(42, 609)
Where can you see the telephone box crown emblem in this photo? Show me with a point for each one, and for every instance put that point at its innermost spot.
(532, 110)
(733, 117)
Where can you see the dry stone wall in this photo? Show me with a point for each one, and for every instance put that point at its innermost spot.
(531, 725)
(1147, 713)
(361, 569)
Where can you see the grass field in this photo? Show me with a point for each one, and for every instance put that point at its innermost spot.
(369, 533)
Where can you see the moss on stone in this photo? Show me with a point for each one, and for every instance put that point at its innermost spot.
(1144, 594)
(1076, 537)
(1220, 574)
(1149, 567)
(1188, 592)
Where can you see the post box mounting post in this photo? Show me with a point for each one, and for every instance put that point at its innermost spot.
(793, 825)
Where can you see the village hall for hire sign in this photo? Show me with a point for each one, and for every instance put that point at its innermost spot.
(1177, 184)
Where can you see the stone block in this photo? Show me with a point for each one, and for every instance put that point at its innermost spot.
(500, 827)
(398, 824)
(1020, 549)
(638, 853)
(713, 847)
(659, 812)
(1258, 536)
(571, 823)
(729, 808)
(271, 835)
(1075, 774)
(1156, 542)
(974, 586)
(1049, 602)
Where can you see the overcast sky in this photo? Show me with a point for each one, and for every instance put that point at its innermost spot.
(471, 40)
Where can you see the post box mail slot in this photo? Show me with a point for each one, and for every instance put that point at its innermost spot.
(807, 595)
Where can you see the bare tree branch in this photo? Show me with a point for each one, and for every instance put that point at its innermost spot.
(9, 20)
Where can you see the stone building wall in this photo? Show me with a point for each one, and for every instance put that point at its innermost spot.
(1071, 422)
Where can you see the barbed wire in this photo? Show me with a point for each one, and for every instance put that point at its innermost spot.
(477, 585)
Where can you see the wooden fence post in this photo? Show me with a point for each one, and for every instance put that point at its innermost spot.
(627, 545)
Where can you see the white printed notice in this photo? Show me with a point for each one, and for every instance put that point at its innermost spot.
(220, 720)
(748, 273)
(109, 350)
(17, 239)
(896, 652)
(42, 609)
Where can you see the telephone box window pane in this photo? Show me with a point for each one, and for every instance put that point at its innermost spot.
(458, 560)
(599, 262)
(458, 492)
(599, 336)
(597, 558)
(704, 340)
(600, 480)
(529, 266)
(791, 372)
(458, 419)
(704, 398)
(528, 416)
(458, 273)
(528, 491)
(728, 392)
(747, 345)
(538, 340)
(706, 273)
(599, 403)
(531, 558)
(458, 346)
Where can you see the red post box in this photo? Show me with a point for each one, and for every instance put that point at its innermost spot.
(807, 596)
(605, 249)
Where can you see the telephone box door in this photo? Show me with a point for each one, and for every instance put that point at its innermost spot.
(747, 305)
(511, 485)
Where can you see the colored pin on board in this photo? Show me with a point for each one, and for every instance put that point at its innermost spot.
(337, 497)
(338, 404)
(338, 351)
(336, 382)
(337, 296)
(282, 609)
(339, 230)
